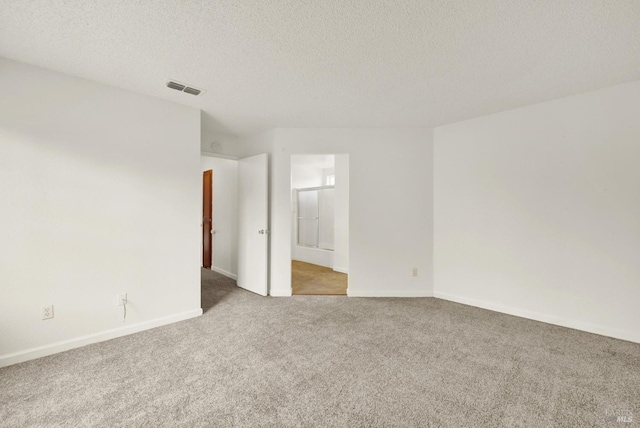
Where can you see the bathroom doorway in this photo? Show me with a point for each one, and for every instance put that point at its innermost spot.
(320, 224)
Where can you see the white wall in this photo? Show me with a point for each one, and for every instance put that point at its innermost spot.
(537, 212)
(341, 224)
(390, 217)
(303, 176)
(100, 195)
(225, 213)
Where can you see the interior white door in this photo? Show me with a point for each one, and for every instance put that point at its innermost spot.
(253, 221)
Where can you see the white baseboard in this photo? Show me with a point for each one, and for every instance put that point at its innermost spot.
(389, 293)
(280, 293)
(341, 270)
(54, 348)
(225, 273)
(546, 318)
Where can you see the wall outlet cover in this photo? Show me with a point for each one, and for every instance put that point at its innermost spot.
(47, 312)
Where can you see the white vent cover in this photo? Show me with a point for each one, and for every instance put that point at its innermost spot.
(183, 88)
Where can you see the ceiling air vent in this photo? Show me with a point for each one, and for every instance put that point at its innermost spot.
(192, 91)
(177, 86)
(183, 88)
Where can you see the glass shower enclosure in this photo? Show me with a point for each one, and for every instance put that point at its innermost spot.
(315, 217)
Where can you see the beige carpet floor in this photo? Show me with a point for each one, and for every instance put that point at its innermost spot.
(325, 361)
(310, 279)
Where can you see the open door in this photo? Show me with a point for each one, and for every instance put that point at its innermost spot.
(207, 218)
(253, 223)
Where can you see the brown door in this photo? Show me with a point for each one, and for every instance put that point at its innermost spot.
(207, 210)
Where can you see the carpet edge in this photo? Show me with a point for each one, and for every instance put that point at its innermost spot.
(628, 335)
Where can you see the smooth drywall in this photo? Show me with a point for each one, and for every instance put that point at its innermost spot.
(537, 212)
(225, 213)
(341, 224)
(100, 195)
(303, 176)
(390, 205)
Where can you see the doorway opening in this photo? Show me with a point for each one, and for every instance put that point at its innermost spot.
(207, 218)
(320, 224)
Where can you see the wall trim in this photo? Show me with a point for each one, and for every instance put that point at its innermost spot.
(389, 294)
(225, 273)
(280, 293)
(632, 336)
(54, 348)
(341, 269)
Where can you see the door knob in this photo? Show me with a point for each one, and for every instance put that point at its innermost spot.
(261, 231)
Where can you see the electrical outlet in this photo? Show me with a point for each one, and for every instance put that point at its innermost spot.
(415, 272)
(47, 312)
(121, 299)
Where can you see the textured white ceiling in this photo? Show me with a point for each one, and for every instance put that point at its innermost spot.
(333, 63)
